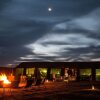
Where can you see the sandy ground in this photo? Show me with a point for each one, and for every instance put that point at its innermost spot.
(53, 91)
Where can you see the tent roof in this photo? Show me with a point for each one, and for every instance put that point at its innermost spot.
(59, 64)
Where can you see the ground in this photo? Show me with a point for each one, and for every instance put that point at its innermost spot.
(54, 91)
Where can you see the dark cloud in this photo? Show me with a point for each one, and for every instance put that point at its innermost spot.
(4, 3)
(23, 32)
(84, 54)
(29, 32)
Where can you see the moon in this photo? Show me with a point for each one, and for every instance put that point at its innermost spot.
(49, 9)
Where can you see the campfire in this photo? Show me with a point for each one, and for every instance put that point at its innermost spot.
(3, 78)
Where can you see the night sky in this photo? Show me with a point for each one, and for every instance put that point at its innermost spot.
(49, 30)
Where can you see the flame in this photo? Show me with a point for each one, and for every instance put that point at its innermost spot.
(3, 78)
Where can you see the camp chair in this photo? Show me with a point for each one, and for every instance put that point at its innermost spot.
(29, 83)
(15, 84)
(40, 82)
(37, 82)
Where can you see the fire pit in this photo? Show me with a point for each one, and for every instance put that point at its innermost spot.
(4, 81)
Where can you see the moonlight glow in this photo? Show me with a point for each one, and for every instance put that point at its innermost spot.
(49, 9)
